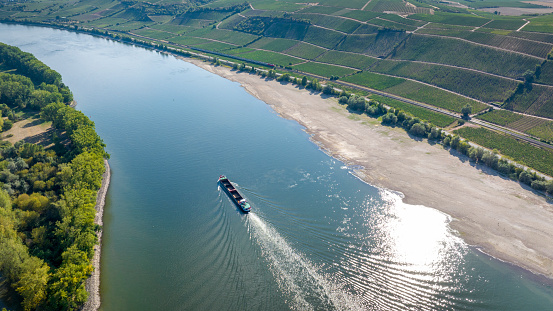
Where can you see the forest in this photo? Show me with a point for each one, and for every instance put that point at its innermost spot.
(47, 195)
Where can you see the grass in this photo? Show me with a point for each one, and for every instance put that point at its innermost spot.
(438, 119)
(469, 83)
(346, 59)
(534, 157)
(323, 69)
(464, 54)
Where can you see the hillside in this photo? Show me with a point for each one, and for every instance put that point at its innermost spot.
(487, 54)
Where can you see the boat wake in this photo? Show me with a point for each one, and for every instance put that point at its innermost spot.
(297, 277)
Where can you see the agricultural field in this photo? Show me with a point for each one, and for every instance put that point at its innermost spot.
(537, 158)
(346, 59)
(272, 44)
(540, 128)
(332, 22)
(271, 57)
(463, 54)
(469, 83)
(538, 101)
(546, 76)
(452, 19)
(342, 38)
(541, 24)
(435, 118)
(323, 70)
(323, 37)
(304, 50)
(377, 45)
(500, 117)
(373, 80)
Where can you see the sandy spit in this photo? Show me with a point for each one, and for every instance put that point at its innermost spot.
(497, 215)
(92, 284)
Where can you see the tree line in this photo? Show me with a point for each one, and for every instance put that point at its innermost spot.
(420, 128)
(48, 196)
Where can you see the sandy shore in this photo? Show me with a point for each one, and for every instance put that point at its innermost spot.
(498, 215)
(92, 285)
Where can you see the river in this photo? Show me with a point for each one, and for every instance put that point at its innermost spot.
(318, 238)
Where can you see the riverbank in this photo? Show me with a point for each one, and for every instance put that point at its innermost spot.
(92, 284)
(500, 216)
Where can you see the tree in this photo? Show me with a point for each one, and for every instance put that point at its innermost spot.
(466, 111)
(304, 81)
(418, 129)
(389, 118)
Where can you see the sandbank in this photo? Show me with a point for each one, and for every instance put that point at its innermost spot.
(497, 215)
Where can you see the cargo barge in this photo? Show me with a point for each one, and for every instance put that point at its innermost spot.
(234, 194)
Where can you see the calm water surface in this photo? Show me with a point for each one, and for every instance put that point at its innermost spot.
(318, 238)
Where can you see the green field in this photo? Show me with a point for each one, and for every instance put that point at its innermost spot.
(537, 102)
(537, 158)
(346, 59)
(435, 118)
(463, 54)
(500, 117)
(373, 80)
(305, 50)
(541, 24)
(324, 70)
(277, 45)
(469, 83)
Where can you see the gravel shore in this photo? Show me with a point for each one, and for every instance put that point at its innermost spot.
(92, 285)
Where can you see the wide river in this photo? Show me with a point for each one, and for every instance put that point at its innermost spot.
(317, 238)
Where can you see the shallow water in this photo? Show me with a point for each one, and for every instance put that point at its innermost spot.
(318, 238)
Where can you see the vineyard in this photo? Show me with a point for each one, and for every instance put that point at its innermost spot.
(538, 101)
(433, 96)
(501, 117)
(463, 54)
(435, 118)
(323, 37)
(508, 24)
(537, 158)
(380, 44)
(452, 19)
(473, 84)
(323, 69)
(391, 25)
(304, 50)
(373, 80)
(332, 22)
(346, 59)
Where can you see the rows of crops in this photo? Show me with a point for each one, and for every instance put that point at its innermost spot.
(273, 44)
(332, 22)
(500, 117)
(464, 54)
(346, 59)
(380, 44)
(435, 118)
(473, 84)
(537, 158)
(323, 69)
(305, 50)
(538, 101)
(414, 90)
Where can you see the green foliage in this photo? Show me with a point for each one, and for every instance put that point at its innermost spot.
(323, 69)
(537, 158)
(373, 80)
(439, 119)
(464, 54)
(500, 117)
(53, 202)
(469, 83)
(346, 59)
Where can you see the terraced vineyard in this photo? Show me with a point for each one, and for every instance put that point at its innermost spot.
(441, 54)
